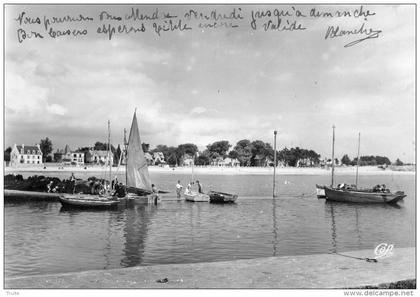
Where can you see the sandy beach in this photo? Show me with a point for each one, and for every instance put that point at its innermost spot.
(204, 170)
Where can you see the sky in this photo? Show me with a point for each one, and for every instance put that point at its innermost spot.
(208, 84)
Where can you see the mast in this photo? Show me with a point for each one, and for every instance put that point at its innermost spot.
(109, 153)
(126, 154)
(357, 168)
(275, 164)
(332, 159)
(192, 169)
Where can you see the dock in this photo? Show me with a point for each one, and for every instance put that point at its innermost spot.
(318, 271)
(17, 196)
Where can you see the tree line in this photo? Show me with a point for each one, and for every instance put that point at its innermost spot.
(247, 152)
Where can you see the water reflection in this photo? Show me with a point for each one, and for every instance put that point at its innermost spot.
(137, 221)
(275, 229)
(330, 208)
(348, 217)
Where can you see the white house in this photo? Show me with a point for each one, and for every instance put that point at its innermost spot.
(158, 158)
(187, 160)
(231, 162)
(217, 161)
(99, 157)
(75, 158)
(149, 158)
(22, 154)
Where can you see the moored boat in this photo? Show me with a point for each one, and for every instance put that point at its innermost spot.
(87, 201)
(106, 197)
(196, 197)
(220, 197)
(362, 196)
(353, 194)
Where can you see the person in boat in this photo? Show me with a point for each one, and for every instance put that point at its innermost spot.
(49, 187)
(178, 189)
(114, 184)
(200, 188)
(188, 190)
(97, 188)
(72, 177)
(121, 190)
(155, 195)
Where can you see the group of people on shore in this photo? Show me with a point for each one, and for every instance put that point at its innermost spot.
(189, 188)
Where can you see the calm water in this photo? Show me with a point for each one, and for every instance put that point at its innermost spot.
(41, 238)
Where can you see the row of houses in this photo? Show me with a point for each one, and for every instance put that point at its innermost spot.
(70, 157)
(22, 154)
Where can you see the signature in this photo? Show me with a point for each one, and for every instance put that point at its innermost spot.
(384, 250)
(335, 31)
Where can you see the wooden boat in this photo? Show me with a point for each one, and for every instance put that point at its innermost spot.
(87, 201)
(345, 193)
(220, 197)
(362, 196)
(320, 191)
(196, 197)
(106, 199)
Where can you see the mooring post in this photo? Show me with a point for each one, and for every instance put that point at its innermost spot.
(332, 159)
(275, 164)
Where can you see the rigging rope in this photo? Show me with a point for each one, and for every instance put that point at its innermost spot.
(371, 260)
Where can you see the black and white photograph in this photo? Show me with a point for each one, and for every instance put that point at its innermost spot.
(200, 146)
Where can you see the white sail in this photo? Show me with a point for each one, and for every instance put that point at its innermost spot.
(137, 172)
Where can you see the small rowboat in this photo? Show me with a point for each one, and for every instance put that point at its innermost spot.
(88, 201)
(220, 197)
(196, 197)
(320, 191)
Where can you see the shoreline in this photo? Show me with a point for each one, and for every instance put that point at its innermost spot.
(208, 170)
(316, 271)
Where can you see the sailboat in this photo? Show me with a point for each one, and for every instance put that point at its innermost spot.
(138, 183)
(105, 198)
(345, 193)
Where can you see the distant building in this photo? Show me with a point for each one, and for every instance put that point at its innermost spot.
(22, 154)
(187, 160)
(305, 162)
(99, 157)
(262, 161)
(158, 158)
(149, 158)
(217, 161)
(75, 158)
(59, 155)
(231, 162)
(69, 157)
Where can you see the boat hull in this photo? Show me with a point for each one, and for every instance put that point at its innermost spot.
(362, 197)
(143, 199)
(320, 191)
(87, 201)
(219, 197)
(196, 197)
